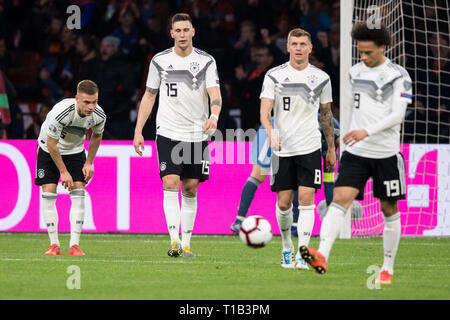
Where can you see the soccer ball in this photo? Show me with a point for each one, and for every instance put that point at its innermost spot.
(255, 231)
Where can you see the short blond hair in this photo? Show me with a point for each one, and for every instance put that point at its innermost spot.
(87, 87)
(298, 32)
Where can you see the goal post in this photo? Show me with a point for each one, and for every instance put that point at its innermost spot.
(344, 100)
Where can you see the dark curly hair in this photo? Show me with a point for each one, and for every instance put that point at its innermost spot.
(381, 36)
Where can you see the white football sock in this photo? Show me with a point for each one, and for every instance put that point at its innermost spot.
(172, 212)
(188, 213)
(50, 215)
(77, 211)
(331, 225)
(391, 238)
(305, 224)
(285, 219)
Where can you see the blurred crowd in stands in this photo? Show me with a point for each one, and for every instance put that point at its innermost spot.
(42, 60)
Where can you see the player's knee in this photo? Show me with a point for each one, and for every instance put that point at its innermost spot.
(171, 183)
(259, 173)
(189, 191)
(284, 204)
(306, 198)
(389, 208)
(342, 198)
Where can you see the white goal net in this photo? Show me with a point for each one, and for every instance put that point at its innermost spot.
(420, 43)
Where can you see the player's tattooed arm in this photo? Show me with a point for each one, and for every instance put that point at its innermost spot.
(326, 120)
(216, 102)
(152, 90)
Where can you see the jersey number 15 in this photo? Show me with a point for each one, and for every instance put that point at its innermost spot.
(172, 89)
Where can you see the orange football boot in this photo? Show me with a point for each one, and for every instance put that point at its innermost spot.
(314, 258)
(53, 250)
(75, 250)
(384, 277)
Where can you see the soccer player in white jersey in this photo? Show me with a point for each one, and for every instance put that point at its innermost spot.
(61, 154)
(185, 77)
(296, 91)
(381, 92)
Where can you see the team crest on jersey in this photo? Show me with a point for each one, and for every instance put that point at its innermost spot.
(194, 67)
(162, 166)
(52, 128)
(41, 173)
(381, 78)
(407, 85)
(312, 80)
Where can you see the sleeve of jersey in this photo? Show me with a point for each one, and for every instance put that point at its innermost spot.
(212, 76)
(402, 97)
(403, 89)
(154, 77)
(100, 127)
(326, 96)
(54, 128)
(268, 88)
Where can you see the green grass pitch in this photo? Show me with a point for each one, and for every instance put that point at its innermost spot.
(137, 267)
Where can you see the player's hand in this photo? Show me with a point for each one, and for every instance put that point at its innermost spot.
(66, 180)
(210, 126)
(88, 171)
(354, 136)
(275, 141)
(330, 159)
(138, 143)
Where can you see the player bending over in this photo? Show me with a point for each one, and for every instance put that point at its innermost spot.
(61, 154)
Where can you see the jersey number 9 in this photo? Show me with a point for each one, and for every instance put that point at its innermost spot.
(357, 100)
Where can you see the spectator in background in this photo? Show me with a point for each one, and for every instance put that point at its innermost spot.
(10, 56)
(214, 22)
(250, 83)
(83, 66)
(439, 88)
(65, 61)
(327, 51)
(113, 74)
(336, 13)
(153, 35)
(428, 121)
(315, 17)
(283, 25)
(35, 128)
(50, 65)
(11, 117)
(258, 11)
(127, 33)
(241, 45)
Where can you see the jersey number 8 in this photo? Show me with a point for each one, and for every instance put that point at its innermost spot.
(286, 103)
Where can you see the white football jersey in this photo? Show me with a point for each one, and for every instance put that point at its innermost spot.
(64, 123)
(376, 93)
(297, 96)
(183, 99)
